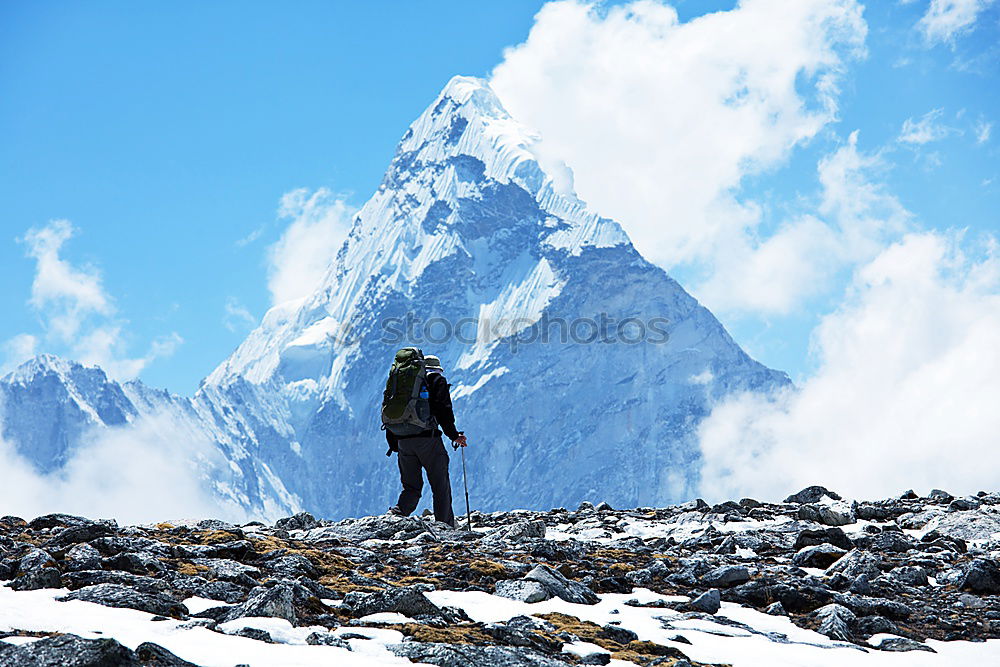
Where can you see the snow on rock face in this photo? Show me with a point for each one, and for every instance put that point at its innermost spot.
(473, 249)
(47, 404)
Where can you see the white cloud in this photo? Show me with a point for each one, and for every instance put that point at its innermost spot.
(662, 120)
(904, 396)
(925, 129)
(947, 18)
(143, 472)
(983, 130)
(78, 315)
(319, 222)
(69, 294)
(237, 317)
(854, 216)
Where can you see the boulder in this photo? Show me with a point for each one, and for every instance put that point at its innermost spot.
(409, 601)
(154, 655)
(559, 586)
(523, 590)
(981, 576)
(709, 602)
(327, 639)
(911, 575)
(725, 576)
(833, 514)
(516, 532)
(142, 584)
(835, 622)
(525, 631)
(36, 570)
(301, 521)
(819, 556)
(813, 536)
(68, 651)
(274, 602)
(811, 494)
(899, 644)
(113, 595)
(465, 655)
(857, 562)
(82, 557)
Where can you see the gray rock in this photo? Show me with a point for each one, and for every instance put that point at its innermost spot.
(143, 584)
(523, 590)
(725, 576)
(981, 576)
(709, 602)
(874, 625)
(522, 530)
(835, 514)
(464, 655)
(911, 575)
(857, 562)
(616, 633)
(971, 601)
(301, 521)
(604, 507)
(820, 556)
(82, 557)
(525, 631)
(142, 563)
(813, 536)
(274, 602)
(409, 601)
(77, 534)
(68, 651)
(326, 639)
(898, 644)
(973, 525)
(811, 494)
(57, 520)
(235, 550)
(224, 569)
(561, 587)
(154, 655)
(835, 622)
(113, 595)
(776, 609)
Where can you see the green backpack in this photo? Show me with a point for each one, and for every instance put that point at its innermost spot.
(406, 408)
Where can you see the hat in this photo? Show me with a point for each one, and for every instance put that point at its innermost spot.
(432, 362)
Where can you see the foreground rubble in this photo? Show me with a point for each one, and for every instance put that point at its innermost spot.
(523, 588)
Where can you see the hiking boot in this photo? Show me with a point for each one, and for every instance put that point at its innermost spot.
(395, 511)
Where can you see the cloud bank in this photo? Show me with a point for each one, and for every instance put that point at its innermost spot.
(143, 472)
(905, 395)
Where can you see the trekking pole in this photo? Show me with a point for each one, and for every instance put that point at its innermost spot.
(465, 481)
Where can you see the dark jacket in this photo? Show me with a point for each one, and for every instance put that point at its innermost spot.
(440, 401)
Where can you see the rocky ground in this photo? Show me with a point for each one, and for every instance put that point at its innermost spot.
(677, 586)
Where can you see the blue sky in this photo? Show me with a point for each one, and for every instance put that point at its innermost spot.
(167, 134)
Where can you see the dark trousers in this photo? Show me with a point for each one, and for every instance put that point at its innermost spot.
(415, 455)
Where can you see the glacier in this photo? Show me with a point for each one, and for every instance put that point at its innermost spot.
(475, 249)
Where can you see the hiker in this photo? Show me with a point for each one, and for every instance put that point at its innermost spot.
(415, 436)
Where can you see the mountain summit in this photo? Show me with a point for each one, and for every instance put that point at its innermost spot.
(579, 370)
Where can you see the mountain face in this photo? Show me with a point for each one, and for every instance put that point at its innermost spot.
(578, 369)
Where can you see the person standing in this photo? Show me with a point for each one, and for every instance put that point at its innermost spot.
(416, 436)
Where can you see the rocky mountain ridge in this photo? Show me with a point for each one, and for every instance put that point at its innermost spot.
(827, 580)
